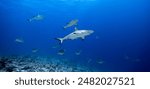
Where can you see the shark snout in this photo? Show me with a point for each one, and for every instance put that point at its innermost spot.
(91, 31)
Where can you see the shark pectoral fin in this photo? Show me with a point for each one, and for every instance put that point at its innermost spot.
(75, 28)
(83, 38)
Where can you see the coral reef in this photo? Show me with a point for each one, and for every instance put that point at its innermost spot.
(37, 64)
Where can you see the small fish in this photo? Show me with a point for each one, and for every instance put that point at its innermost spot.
(61, 52)
(19, 40)
(71, 23)
(78, 52)
(36, 18)
(34, 50)
(100, 61)
(76, 34)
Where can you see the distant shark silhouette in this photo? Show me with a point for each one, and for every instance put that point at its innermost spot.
(36, 18)
(71, 23)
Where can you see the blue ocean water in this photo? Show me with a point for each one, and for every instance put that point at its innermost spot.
(120, 42)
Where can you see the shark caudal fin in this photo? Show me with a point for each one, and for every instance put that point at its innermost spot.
(29, 20)
(60, 40)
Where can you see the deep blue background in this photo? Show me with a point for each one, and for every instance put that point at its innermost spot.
(121, 38)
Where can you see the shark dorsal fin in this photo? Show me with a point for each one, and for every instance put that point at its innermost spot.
(75, 28)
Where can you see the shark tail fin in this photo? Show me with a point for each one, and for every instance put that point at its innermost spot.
(30, 20)
(60, 39)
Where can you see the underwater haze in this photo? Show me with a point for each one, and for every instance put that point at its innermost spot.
(31, 33)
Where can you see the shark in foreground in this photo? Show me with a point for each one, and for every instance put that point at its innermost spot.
(37, 17)
(76, 34)
(71, 23)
